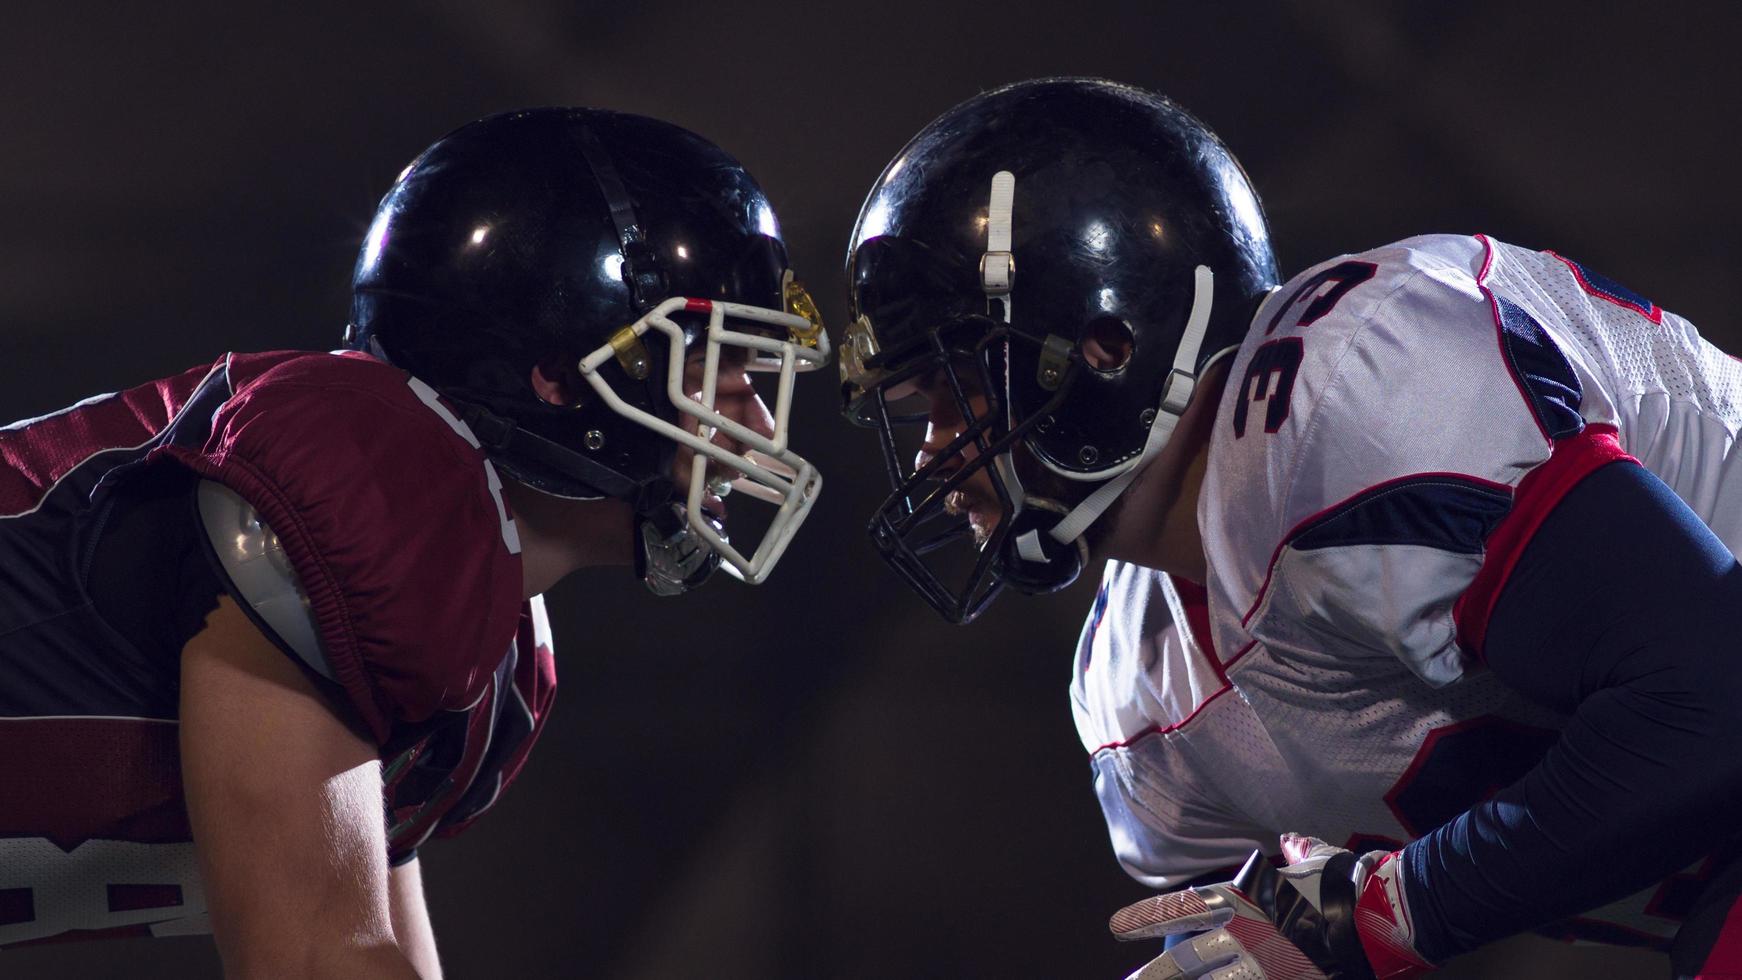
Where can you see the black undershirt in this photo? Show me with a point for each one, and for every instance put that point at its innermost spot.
(151, 574)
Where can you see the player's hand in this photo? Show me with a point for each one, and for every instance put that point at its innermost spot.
(1299, 923)
(1237, 936)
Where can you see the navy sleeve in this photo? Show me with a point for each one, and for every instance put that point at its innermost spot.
(1624, 611)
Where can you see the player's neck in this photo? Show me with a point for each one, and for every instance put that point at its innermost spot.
(1156, 522)
(558, 535)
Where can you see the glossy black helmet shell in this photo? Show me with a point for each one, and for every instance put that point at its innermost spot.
(529, 238)
(1119, 195)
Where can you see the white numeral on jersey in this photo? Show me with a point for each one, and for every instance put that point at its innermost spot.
(101, 884)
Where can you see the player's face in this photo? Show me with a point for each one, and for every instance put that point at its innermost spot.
(735, 397)
(945, 422)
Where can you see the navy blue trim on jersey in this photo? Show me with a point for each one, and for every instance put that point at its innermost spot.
(1541, 370)
(1625, 612)
(1606, 288)
(1096, 613)
(1438, 510)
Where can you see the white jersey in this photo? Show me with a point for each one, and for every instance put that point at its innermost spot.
(1362, 505)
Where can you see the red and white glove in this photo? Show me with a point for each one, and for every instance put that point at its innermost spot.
(1327, 914)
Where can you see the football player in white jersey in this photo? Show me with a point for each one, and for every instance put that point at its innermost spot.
(1425, 556)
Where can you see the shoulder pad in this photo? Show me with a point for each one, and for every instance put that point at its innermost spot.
(260, 574)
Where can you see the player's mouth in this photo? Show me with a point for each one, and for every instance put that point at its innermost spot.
(982, 516)
(714, 499)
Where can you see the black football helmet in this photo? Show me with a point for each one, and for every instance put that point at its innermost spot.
(1010, 231)
(603, 247)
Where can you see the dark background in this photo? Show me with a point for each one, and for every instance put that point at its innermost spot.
(815, 777)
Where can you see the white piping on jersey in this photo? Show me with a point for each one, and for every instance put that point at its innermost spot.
(475, 702)
(75, 406)
(49, 492)
(459, 792)
(510, 531)
(540, 624)
(495, 794)
(427, 395)
(525, 709)
(539, 620)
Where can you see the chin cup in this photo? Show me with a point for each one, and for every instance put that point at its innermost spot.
(670, 557)
(1033, 561)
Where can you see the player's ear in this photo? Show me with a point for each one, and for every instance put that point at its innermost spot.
(558, 382)
(1107, 343)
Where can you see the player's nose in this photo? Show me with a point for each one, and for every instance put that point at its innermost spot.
(937, 439)
(756, 416)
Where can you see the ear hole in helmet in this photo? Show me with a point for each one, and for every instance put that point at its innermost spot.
(556, 381)
(1106, 344)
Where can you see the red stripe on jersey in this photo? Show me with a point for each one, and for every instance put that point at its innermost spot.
(1651, 312)
(1160, 729)
(1725, 959)
(1306, 523)
(38, 453)
(1573, 459)
(1196, 603)
(1487, 258)
(74, 779)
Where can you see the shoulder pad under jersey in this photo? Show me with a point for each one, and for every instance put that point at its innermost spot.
(260, 574)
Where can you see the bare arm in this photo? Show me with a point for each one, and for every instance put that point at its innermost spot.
(411, 921)
(285, 803)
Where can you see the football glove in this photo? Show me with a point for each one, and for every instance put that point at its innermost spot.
(1327, 914)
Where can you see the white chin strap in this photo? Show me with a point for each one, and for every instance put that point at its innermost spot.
(997, 278)
(997, 273)
(1175, 395)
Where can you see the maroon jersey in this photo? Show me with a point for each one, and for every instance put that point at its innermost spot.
(394, 523)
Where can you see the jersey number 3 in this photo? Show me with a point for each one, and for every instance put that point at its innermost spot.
(1270, 375)
(1269, 379)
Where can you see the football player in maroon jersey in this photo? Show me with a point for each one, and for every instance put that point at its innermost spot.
(269, 625)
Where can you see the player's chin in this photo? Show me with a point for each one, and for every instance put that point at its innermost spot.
(714, 509)
(984, 522)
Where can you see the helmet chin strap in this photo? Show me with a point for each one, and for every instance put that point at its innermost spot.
(1030, 515)
(1175, 395)
(997, 278)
